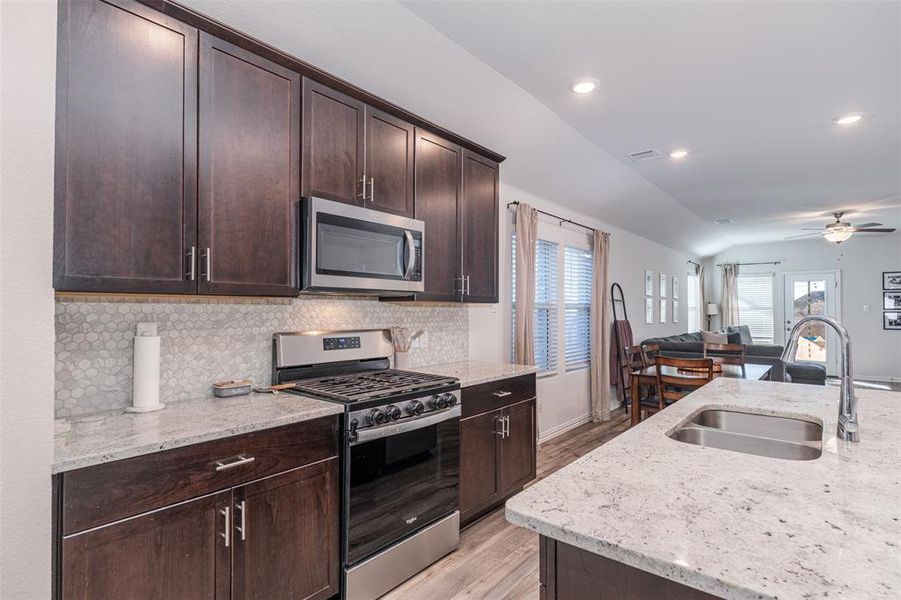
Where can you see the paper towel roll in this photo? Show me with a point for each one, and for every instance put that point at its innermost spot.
(146, 396)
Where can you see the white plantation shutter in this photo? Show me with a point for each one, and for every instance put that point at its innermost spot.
(577, 306)
(755, 305)
(691, 303)
(545, 304)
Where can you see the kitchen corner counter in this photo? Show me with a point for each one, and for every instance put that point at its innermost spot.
(732, 524)
(117, 435)
(473, 372)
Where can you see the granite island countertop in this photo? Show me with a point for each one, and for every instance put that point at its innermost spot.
(106, 437)
(736, 525)
(474, 372)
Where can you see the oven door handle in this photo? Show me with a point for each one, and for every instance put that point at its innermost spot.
(375, 433)
(411, 254)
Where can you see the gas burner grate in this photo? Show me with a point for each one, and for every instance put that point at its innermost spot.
(369, 385)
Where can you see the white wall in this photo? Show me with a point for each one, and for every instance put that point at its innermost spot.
(861, 261)
(28, 50)
(564, 397)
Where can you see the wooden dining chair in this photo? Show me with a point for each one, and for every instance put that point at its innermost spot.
(650, 352)
(683, 376)
(631, 359)
(729, 354)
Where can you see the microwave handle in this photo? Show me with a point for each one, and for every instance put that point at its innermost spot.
(411, 254)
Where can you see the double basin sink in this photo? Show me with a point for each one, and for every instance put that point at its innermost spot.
(761, 435)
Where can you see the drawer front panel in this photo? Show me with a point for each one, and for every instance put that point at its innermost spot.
(497, 394)
(104, 493)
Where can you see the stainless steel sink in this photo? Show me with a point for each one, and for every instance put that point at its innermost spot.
(761, 435)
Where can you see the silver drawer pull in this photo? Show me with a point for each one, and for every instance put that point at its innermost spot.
(241, 460)
(501, 394)
(242, 529)
(225, 534)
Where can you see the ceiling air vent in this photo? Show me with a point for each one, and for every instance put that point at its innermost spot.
(645, 155)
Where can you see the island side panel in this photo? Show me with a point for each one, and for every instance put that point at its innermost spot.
(568, 572)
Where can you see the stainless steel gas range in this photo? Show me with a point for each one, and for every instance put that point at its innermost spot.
(401, 453)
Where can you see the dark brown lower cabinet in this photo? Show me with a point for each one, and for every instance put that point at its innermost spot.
(497, 449)
(568, 572)
(286, 535)
(269, 536)
(175, 552)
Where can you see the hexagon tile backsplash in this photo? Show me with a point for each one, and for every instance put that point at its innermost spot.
(213, 339)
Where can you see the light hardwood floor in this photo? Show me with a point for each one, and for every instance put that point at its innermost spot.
(497, 560)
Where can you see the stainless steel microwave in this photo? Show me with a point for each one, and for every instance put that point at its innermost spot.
(357, 250)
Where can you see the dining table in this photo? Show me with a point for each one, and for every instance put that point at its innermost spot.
(648, 376)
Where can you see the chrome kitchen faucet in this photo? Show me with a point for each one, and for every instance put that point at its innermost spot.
(847, 402)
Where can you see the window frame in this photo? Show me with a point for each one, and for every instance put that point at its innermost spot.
(772, 307)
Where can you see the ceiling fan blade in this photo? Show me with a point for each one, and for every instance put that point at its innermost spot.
(866, 225)
(791, 237)
(811, 229)
(875, 230)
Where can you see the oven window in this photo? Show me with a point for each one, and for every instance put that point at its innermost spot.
(351, 247)
(400, 483)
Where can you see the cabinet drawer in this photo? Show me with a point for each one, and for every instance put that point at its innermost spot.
(104, 493)
(497, 394)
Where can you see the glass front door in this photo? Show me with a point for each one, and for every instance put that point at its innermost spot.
(812, 293)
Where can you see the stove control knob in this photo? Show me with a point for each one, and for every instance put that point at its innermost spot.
(415, 407)
(451, 399)
(434, 402)
(392, 412)
(376, 417)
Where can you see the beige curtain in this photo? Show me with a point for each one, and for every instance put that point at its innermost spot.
(526, 224)
(730, 295)
(600, 329)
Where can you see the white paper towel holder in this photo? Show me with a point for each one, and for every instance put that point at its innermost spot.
(146, 382)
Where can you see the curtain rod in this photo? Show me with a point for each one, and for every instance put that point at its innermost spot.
(558, 217)
(691, 262)
(774, 262)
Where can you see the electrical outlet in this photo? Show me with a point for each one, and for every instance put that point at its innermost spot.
(146, 330)
(866, 308)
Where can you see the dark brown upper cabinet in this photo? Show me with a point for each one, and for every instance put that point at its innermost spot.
(354, 153)
(479, 228)
(126, 151)
(438, 165)
(389, 163)
(249, 173)
(333, 125)
(457, 197)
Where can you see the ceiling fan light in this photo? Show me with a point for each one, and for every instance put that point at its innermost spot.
(838, 235)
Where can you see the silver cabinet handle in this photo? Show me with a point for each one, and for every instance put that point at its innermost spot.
(507, 426)
(242, 529)
(462, 285)
(501, 421)
(466, 285)
(363, 180)
(192, 263)
(411, 259)
(207, 273)
(237, 462)
(501, 394)
(226, 534)
(371, 189)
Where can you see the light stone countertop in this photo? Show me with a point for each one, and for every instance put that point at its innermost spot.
(117, 435)
(473, 372)
(732, 524)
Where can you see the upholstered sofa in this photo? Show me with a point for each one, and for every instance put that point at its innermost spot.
(690, 345)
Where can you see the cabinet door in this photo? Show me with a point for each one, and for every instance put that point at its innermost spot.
(437, 200)
(177, 552)
(286, 535)
(332, 144)
(389, 163)
(518, 448)
(478, 227)
(126, 150)
(480, 437)
(249, 172)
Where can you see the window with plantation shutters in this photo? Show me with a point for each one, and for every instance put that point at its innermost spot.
(755, 305)
(545, 316)
(577, 306)
(692, 298)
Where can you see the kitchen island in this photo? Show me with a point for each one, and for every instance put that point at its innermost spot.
(647, 516)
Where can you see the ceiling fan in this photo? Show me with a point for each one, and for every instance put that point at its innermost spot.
(839, 231)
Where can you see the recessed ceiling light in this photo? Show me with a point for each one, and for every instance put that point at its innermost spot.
(584, 86)
(847, 119)
(724, 221)
(677, 154)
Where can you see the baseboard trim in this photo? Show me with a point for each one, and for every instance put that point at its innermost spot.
(563, 428)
